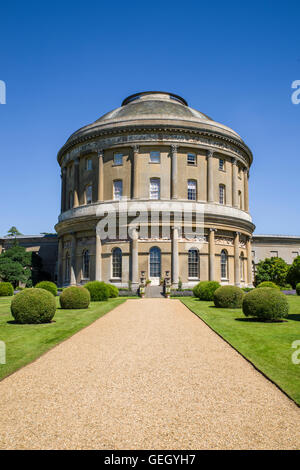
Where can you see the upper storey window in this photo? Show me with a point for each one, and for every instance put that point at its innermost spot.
(89, 194)
(118, 159)
(88, 164)
(222, 194)
(118, 190)
(154, 188)
(192, 190)
(155, 157)
(221, 164)
(191, 159)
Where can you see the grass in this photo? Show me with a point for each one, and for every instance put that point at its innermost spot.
(24, 343)
(266, 345)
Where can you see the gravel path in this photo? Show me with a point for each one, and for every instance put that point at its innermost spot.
(148, 375)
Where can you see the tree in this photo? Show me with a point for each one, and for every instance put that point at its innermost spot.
(13, 232)
(272, 269)
(17, 265)
(293, 276)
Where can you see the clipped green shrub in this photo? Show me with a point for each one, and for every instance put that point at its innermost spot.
(74, 297)
(205, 290)
(228, 297)
(268, 284)
(6, 289)
(298, 288)
(49, 286)
(33, 306)
(247, 289)
(98, 290)
(266, 304)
(113, 291)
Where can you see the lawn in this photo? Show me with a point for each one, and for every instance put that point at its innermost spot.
(24, 343)
(266, 345)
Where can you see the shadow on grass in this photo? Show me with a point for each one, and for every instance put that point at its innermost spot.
(294, 316)
(259, 320)
(14, 322)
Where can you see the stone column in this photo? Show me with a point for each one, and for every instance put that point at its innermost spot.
(73, 261)
(246, 189)
(134, 259)
(135, 149)
(63, 189)
(237, 277)
(235, 201)
(210, 176)
(76, 183)
(100, 175)
(98, 258)
(174, 148)
(249, 263)
(175, 260)
(59, 263)
(212, 254)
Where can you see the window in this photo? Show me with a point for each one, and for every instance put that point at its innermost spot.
(71, 201)
(274, 254)
(86, 264)
(89, 194)
(224, 264)
(221, 194)
(192, 190)
(155, 157)
(118, 159)
(240, 200)
(221, 164)
(191, 159)
(155, 263)
(154, 188)
(118, 190)
(117, 263)
(193, 263)
(88, 164)
(240, 172)
(67, 268)
(242, 268)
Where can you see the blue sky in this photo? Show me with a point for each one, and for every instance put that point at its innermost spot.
(67, 63)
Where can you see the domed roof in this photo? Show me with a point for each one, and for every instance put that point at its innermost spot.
(154, 108)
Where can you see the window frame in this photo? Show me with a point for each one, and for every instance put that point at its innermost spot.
(194, 162)
(192, 264)
(151, 157)
(193, 189)
(223, 196)
(118, 154)
(86, 194)
(86, 264)
(221, 166)
(115, 182)
(224, 265)
(152, 181)
(67, 273)
(87, 161)
(115, 265)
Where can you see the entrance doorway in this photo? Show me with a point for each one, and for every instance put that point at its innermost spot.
(155, 266)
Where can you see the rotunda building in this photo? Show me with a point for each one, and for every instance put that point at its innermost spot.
(155, 188)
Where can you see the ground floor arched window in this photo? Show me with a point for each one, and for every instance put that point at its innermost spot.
(242, 267)
(224, 264)
(67, 268)
(193, 261)
(155, 262)
(117, 263)
(86, 264)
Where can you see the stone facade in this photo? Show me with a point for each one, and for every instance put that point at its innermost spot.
(154, 149)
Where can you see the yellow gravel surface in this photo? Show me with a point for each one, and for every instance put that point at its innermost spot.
(148, 375)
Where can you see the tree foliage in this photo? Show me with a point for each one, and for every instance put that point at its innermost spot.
(20, 266)
(13, 231)
(293, 276)
(272, 269)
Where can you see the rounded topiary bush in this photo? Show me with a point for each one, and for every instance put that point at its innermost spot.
(205, 290)
(113, 291)
(298, 288)
(228, 297)
(49, 286)
(266, 304)
(6, 289)
(268, 284)
(33, 306)
(75, 297)
(98, 290)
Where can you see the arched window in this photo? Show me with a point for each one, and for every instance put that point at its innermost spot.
(242, 267)
(67, 268)
(89, 194)
(194, 263)
(224, 264)
(118, 190)
(86, 264)
(117, 263)
(71, 200)
(155, 262)
(192, 190)
(154, 189)
(222, 197)
(240, 200)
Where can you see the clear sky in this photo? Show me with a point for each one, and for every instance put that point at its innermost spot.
(65, 63)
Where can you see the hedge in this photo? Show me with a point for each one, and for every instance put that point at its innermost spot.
(98, 290)
(228, 297)
(205, 290)
(298, 288)
(74, 297)
(6, 289)
(33, 306)
(266, 304)
(268, 284)
(49, 286)
(113, 291)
